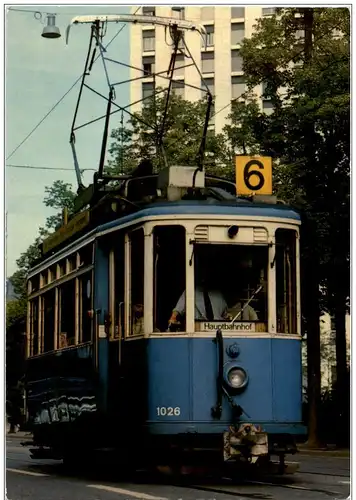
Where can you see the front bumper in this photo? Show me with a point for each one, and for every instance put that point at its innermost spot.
(247, 440)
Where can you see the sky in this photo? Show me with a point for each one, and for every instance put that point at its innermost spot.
(39, 72)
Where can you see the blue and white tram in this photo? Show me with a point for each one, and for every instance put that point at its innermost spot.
(107, 366)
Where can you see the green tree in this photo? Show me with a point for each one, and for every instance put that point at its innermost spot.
(302, 58)
(181, 135)
(58, 196)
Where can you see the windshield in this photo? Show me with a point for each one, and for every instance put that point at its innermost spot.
(231, 283)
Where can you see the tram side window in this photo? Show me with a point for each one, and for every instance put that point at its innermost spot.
(86, 255)
(66, 331)
(286, 281)
(34, 327)
(137, 282)
(169, 273)
(48, 320)
(119, 253)
(85, 302)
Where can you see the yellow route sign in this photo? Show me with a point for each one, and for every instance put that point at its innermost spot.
(253, 175)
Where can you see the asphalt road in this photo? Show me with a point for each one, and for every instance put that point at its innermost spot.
(320, 477)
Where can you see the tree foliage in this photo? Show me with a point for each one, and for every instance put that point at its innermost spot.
(181, 134)
(306, 78)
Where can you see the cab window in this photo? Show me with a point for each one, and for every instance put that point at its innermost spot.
(169, 274)
(286, 281)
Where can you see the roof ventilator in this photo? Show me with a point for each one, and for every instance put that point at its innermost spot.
(175, 181)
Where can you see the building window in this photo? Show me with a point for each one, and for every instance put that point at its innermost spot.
(178, 88)
(264, 88)
(178, 12)
(207, 62)
(208, 39)
(179, 65)
(208, 82)
(148, 64)
(148, 40)
(268, 11)
(299, 34)
(236, 61)
(237, 12)
(237, 33)
(147, 92)
(237, 86)
(267, 107)
(149, 11)
(207, 14)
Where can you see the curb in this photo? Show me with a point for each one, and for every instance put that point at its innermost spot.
(324, 452)
(19, 435)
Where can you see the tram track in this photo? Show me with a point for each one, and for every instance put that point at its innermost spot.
(261, 496)
(325, 474)
(278, 483)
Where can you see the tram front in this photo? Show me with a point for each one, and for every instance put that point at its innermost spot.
(224, 358)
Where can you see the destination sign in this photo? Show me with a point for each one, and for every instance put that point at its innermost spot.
(210, 326)
(74, 225)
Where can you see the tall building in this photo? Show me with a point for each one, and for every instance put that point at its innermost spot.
(218, 57)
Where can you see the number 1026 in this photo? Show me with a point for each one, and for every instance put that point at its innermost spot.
(164, 411)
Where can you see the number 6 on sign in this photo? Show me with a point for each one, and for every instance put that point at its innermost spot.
(253, 175)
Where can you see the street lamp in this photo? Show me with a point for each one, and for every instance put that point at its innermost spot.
(51, 30)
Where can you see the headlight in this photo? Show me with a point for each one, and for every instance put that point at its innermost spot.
(237, 378)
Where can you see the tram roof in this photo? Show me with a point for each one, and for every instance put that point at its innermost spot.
(192, 207)
(240, 207)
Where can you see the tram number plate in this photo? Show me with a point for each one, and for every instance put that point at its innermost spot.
(164, 411)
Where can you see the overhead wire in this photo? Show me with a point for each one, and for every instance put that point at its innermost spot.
(62, 169)
(59, 12)
(64, 96)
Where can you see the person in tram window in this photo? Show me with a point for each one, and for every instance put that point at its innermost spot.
(210, 305)
(241, 312)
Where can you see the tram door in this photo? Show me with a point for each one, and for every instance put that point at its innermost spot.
(116, 249)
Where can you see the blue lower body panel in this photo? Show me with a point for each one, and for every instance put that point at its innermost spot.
(182, 385)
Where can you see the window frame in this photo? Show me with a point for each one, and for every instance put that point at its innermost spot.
(292, 308)
(235, 84)
(39, 295)
(128, 283)
(183, 228)
(234, 12)
(233, 25)
(145, 36)
(233, 57)
(208, 56)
